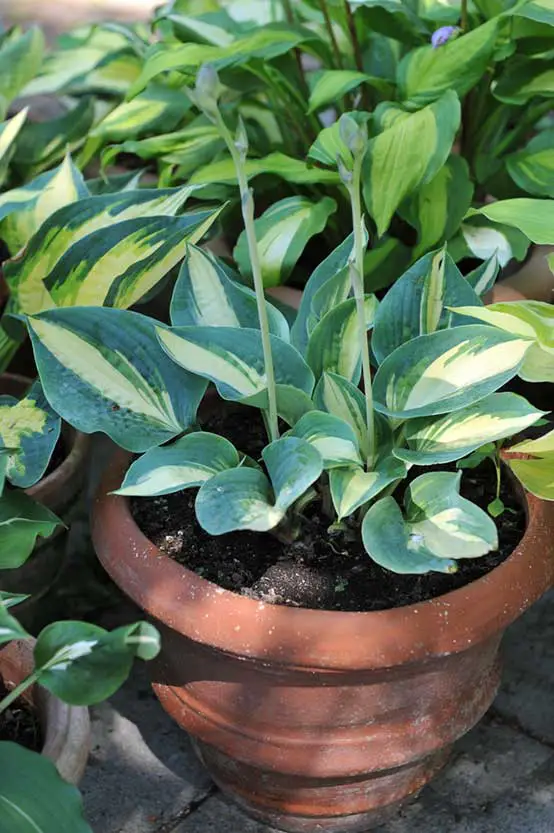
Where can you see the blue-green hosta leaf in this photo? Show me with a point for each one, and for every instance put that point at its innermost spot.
(24, 209)
(83, 664)
(244, 498)
(408, 154)
(352, 487)
(103, 370)
(129, 181)
(332, 436)
(447, 370)
(279, 164)
(232, 358)
(22, 520)
(334, 344)
(453, 436)
(189, 461)
(34, 797)
(440, 526)
(157, 107)
(292, 402)
(9, 131)
(70, 224)
(535, 218)
(282, 233)
(426, 73)
(333, 292)
(418, 303)
(9, 629)
(483, 278)
(332, 84)
(205, 295)
(30, 426)
(20, 60)
(339, 397)
(533, 167)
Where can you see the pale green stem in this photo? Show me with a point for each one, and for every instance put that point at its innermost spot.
(463, 16)
(247, 206)
(18, 691)
(357, 279)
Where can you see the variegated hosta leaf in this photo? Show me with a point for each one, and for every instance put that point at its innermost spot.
(32, 428)
(103, 370)
(537, 473)
(158, 107)
(205, 295)
(407, 154)
(352, 487)
(9, 131)
(26, 273)
(189, 461)
(24, 209)
(332, 293)
(10, 628)
(331, 436)
(440, 526)
(417, 303)
(20, 60)
(282, 233)
(329, 144)
(482, 279)
(244, 498)
(451, 437)
(334, 344)
(21, 522)
(542, 11)
(233, 360)
(535, 218)
(330, 85)
(339, 397)
(447, 370)
(223, 171)
(533, 167)
(292, 403)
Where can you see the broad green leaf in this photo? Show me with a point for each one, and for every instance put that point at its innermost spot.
(533, 167)
(482, 279)
(232, 358)
(537, 475)
(334, 344)
(32, 428)
(22, 520)
(9, 629)
(329, 145)
(103, 370)
(33, 796)
(418, 303)
(393, 18)
(9, 131)
(426, 73)
(282, 233)
(332, 436)
(352, 487)
(157, 107)
(83, 664)
(332, 84)
(279, 164)
(525, 79)
(408, 154)
(216, 29)
(20, 60)
(339, 397)
(205, 295)
(189, 461)
(447, 370)
(450, 437)
(540, 10)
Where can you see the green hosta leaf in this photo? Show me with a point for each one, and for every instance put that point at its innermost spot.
(339, 397)
(282, 233)
(20, 60)
(333, 292)
(67, 226)
(533, 167)
(418, 303)
(332, 84)
(9, 131)
(205, 295)
(450, 437)
(83, 664)
(232, 359)
(408, 154)
(217, 28)
(24, 209)
(157, 107)
(189, 461)
(8, 599)
(30, 426)
(21, 522)
(524, 79)
(540, 10)
(447, 370)
(352, 487)
(279, 164)
(99, 186)
(329, 144)
(33, 796)
(426, 73)
(334, 344)
(393, 18)
(440, 526)
(103, 370)
(9, 629)
(437, 208)
(334, 438)
(483, 278)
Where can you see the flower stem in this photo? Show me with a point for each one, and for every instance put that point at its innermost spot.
(463, 16)
(330, 30)
(18, 690)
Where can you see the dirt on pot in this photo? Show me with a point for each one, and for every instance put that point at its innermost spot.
(20, 723)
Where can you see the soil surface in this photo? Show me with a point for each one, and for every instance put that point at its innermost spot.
(20, 723)
(318, 570)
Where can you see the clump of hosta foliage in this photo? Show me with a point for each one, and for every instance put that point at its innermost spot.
(430, 396)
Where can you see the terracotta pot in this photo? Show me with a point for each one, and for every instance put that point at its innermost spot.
(319, 720)
(59, 491)
(65, 729)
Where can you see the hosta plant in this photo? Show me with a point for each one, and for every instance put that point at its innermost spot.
(347, 421)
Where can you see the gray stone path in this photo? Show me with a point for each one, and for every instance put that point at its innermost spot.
(143, 777)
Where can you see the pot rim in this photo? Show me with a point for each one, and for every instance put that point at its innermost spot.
(308, 638)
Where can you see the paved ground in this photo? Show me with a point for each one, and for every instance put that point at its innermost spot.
(143, 777)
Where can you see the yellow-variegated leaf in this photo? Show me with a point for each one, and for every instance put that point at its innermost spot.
(9, 131)
(334, 345)
(536, 475)
(351, 487)
(331, 436)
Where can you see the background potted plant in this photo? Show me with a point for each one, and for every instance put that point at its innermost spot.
(289, 703)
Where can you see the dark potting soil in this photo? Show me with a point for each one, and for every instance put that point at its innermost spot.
(20, 723)
(318, 570)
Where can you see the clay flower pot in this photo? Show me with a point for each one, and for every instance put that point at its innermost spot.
(65, 729)
(59, 491)
(320, 720)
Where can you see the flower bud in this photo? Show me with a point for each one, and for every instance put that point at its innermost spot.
(207, 90)
(241, 139)
(353, 135)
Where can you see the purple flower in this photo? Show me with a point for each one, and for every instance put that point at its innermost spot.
(443, 35)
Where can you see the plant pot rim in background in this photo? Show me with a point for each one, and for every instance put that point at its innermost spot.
(66, 729)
